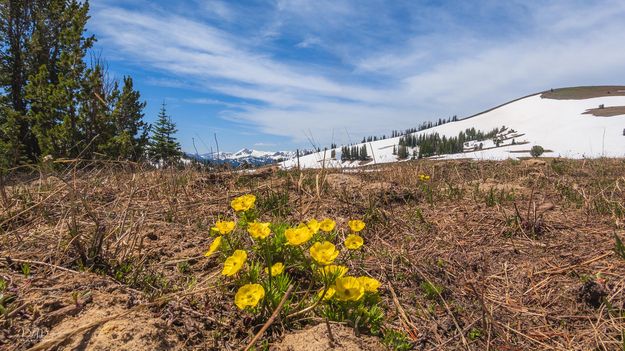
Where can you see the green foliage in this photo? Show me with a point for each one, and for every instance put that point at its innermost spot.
(431, 290)
(26, 270)
(397, 341)
(163, 145)
(475, 333)
(537, 150)
(52, 101)
(276, 202)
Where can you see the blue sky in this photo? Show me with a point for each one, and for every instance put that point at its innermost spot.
(274, 75)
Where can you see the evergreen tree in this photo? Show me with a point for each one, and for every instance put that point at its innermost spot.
(131, 132)
(54, 90)
(16, 140)
(51, 100)
(363, 153)
(163, 145)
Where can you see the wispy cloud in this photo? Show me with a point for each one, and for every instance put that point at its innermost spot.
(327, 67)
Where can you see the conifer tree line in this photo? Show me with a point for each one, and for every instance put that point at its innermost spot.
(398, 133)
(354, 153)
(56, 97)
(434, 144)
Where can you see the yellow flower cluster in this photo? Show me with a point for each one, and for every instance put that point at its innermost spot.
(424, 177)
(352, 288)
(243, 203)
(309, 245)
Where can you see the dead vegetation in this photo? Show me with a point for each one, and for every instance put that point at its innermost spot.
(484, 256)
(584, 92)
(609, 111)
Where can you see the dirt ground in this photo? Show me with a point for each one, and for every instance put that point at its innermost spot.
(522, 255)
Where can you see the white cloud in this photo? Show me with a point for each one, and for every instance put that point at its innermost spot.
(374, 86)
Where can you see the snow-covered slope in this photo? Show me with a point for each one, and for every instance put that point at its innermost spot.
(557, 125)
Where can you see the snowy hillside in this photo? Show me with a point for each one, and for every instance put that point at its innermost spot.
(559, 126)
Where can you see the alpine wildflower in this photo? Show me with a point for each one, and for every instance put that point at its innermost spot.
(313, 225)
(356, 225)
(353, 241)
(234, 263)
(213, 246)
(249, 295)
(328, 294)
(348, 289)
(324, 253)
(424, 177)
(243, 203)
(259, 230)
(276, 269)
(327, 225)
(370, 284)
(224, 227)
(298, 236)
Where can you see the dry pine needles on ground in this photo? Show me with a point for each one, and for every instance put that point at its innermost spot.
(481, 256)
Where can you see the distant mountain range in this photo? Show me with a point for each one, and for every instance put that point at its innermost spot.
(244, 156)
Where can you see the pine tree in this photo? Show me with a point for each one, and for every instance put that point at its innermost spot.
(131, 132)
(54, 89)
(94, 124)
(17, 142)
(363, 153)
(163, 145)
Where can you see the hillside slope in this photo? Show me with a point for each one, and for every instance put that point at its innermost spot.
(559, 125)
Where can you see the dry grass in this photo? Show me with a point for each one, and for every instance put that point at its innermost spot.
(609, 111)
(485, 256)
(576, 93)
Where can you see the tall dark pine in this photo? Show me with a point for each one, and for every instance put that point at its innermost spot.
(16, 140)
(164, 148)
(131, 137)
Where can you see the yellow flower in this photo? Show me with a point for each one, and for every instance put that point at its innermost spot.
(213, 247)
(234, 263)
(424, 177)
(249, 295)
(298, 236)
(348, 289)
(356, 225)
(353, 241)
(330, 270)
(276, 269)
(224, 227)
(328, 294)
(243, 203)
(313, 225)
(259, 230)
(324, 253)
(327, 225)
(370, 284)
